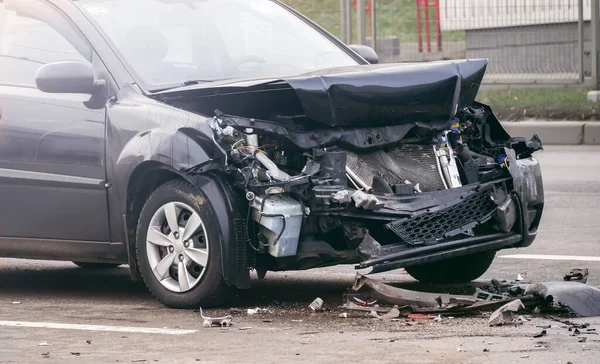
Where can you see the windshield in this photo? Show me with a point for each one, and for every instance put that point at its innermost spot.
(168, 42)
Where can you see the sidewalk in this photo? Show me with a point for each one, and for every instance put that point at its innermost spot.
(557, 132)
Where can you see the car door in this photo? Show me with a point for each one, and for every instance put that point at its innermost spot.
(52, 160)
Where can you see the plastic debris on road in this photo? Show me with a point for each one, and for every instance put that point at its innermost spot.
(316, 305)
(570, 296)
(257, 310)
(577, 275)
(391, 314)
(506, 314)
(420, 316)
(43, 343)
(224, 321)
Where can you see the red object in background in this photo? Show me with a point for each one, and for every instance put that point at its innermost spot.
(368, 11)
(426, 5)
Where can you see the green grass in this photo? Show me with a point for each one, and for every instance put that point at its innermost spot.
(542, 103)
(394, 18)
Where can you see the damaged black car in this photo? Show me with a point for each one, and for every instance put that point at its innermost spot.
(198, 140)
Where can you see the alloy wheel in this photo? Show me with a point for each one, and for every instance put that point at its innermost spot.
(177, 246)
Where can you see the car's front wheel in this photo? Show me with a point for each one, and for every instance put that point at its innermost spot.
(178, 247)
(456, 270)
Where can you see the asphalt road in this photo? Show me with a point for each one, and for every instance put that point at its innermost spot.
(60, 295)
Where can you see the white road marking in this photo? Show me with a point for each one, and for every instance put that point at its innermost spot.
(552, 257)
(52, 325)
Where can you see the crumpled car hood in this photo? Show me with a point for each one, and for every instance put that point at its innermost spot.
(385, 94)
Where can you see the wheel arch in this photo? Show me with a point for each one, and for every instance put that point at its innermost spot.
(150, 175)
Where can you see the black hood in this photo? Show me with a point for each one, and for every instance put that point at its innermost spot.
(386, 94)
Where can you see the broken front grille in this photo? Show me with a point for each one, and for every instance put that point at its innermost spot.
(432, 226)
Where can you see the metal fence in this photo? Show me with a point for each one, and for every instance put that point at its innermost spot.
(527, 41)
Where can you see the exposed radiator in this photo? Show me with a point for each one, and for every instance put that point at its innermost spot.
(415, 163)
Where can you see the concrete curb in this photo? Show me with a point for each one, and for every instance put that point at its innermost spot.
(557, 132)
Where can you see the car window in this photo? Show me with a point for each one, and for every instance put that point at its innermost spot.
(26, 44)
(179, 40)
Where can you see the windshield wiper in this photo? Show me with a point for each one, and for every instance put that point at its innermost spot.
(194, 82)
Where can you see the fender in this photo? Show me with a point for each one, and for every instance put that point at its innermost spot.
(226, 204)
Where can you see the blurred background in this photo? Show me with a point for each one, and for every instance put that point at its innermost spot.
(535, 44)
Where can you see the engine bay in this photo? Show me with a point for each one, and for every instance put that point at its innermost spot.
(316, 201)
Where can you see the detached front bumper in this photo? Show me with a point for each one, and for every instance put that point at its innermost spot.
(529, 190)
(524, 198)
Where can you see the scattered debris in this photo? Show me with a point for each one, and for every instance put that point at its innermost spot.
(420, 316)
(88, 341)
(540, 334)
(75, 353)
(46, 355)
(245, 328)
(367, 303)
(582, 339)
(257, 310)
(296, 320)
(343, 315)
(438, 318)
(420, 302)
(231, 310)
(525, 357)
(16, 303)
(316, 305)
(224, 321)
(566, 296)
(485, 350)
(577, 275)
(391, 314)
(268, 320)
(506, 314)
(579, 298)
(138, 361)
(460, 350)
(43, 343)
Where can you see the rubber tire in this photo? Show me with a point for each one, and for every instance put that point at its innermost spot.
(96, 266)
(211, 291)
(456, 270)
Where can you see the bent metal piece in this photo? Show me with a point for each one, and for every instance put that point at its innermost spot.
(580, 298)
(405, 297)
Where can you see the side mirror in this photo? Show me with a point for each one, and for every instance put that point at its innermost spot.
(365, 52)
(67, 77)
